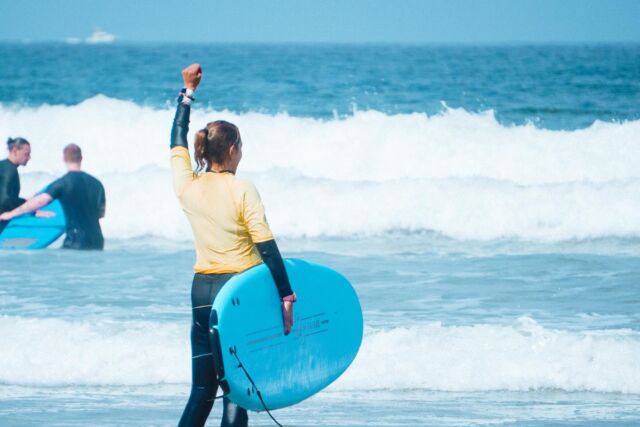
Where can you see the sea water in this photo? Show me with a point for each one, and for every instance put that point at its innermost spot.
(483, 200)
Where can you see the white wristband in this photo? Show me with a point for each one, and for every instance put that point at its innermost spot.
(187, 97)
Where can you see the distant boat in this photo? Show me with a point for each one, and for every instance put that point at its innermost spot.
(99, 37)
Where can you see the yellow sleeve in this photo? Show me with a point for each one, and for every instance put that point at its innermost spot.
(254, 216)
(181, 169)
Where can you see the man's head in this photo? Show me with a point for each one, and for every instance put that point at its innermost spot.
(72, 154)
(19, 151)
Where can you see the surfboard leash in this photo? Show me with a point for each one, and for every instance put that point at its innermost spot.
(241, 366)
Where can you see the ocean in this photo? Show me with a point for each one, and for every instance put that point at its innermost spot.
(483, 200)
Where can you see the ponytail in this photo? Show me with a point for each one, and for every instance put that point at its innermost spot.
(202, 138)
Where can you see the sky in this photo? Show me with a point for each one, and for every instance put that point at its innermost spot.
(324, 21)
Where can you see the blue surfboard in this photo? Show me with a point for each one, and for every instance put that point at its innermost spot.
(246, 321)
(34, 232)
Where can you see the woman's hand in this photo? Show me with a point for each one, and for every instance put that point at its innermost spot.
(287, 312)
(192, 76)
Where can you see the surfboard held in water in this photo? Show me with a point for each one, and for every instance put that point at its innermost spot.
(246, 321)
(34, 231)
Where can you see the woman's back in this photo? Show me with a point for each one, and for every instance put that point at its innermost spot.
(226, 216)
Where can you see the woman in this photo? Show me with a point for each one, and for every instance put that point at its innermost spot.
(231, 235)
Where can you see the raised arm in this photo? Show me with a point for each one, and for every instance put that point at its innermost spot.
(180, 161)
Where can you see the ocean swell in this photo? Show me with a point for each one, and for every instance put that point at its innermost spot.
(459, 174)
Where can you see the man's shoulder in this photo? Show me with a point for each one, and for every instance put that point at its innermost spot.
(92, 179)
(7, 165)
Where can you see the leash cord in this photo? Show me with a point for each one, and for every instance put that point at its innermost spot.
(241, 366)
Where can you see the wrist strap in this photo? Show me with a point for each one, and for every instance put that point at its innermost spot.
(185, 96)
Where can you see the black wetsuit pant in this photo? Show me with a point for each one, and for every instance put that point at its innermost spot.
(204, 386)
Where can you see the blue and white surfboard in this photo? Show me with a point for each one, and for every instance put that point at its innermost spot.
(34, 232)
(247, 323)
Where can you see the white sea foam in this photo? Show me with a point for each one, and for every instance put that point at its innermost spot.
(522, 356)
(519, 357)
(460, 174)
(58, 352)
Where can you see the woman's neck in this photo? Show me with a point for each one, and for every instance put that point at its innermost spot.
(220, 168)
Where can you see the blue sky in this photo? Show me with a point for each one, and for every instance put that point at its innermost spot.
(341, 21)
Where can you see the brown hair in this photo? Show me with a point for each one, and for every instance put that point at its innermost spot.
(72, 153)
(213, 142)
(16, 142)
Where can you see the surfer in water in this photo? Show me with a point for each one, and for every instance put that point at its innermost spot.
(19, 155)
(83, 201)
(231, 235)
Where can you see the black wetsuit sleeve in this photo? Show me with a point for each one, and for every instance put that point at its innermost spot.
(180, 126)
(56, 188)
(272, 258)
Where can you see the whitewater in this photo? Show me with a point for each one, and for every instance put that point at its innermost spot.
(459, 174)
(519, 357)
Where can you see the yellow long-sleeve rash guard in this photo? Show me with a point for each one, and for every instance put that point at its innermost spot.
(226, 216)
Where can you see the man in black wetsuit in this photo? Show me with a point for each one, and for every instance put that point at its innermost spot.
(83, 201)
(19, 155)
